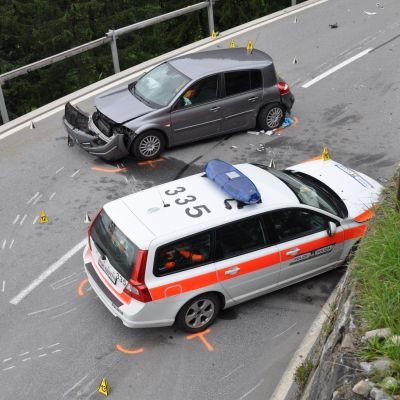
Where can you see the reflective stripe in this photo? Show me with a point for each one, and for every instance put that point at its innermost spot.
(366, 215)
(356, 232)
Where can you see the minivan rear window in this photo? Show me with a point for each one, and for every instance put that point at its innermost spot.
(113, 243)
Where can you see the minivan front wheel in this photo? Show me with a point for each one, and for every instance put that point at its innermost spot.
(148, 145)
(198, 313)
(271, 116)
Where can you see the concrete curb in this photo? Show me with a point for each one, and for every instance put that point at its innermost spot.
(286, 387)
(119, 78)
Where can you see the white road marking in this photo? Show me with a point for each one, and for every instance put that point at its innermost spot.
(40, 348)
(26, 359)
(75, 173)
(56, 351)
(45, 274)
(16, 219)
(134, 75)
(59, 170)
(56, 287)
(286, 330)
(23, 354)
(5, 369)
(33, 198)
(35, 220)
(37, 199)
(252, 390)
(52, 196)
(4, 243)
(62, 279)
(11, 244)
(3, 286)
(334, 69)
(230, 373)
(23, 219)
(46, 309)
(73, 387)
(7, 359)
(53, 345)
(42, 355)
(60, 315)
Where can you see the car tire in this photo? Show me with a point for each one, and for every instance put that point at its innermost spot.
(271, 116)
(148, 145)
(198, 313)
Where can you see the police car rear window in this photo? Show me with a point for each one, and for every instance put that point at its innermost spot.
(113, 244)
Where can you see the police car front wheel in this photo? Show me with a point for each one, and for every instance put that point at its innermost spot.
(198, 313)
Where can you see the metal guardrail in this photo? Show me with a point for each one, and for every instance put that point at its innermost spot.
(110, 37)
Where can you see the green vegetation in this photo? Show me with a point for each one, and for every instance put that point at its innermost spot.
(32, 30)
(376, 273)
(302, 374)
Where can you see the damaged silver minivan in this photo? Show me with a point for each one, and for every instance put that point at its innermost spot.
(188, 98)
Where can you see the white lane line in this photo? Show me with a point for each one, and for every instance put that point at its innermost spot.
(23, 354)
(5, 369)
(45, 274)
(47, 309)
(56, 351)
(60, 315)
(286, 330)
(252, 390)
(53, 345)
(4, 243)
(7, 359)
(16, 219)
(334, 69)
(75, 173)
(59, 170)
(26, 359)
(3, 287)
(11, 244)
(232, 372)
(33, 198)
(35, 220)
(52, 196)
(42, 355)
(23, 219)
(73, 387)
(37, 199)
(132, 76)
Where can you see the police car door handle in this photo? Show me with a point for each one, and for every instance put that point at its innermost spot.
(292, 252)
(215, 109)
(232, 271)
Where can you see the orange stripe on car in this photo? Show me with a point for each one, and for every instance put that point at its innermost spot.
(366, 215)
(356, 232)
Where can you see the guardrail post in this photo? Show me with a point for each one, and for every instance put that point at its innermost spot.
(293, 2)
(210, 16)
(3, 108)
(114, 50)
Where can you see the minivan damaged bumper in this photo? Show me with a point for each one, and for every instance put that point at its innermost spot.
(76, 123)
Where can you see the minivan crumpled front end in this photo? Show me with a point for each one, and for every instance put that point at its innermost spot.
(102, 142)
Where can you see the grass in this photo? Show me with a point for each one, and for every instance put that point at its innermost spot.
(302, 374)
(375, 270)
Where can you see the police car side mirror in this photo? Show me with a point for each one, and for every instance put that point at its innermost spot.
(331, 228)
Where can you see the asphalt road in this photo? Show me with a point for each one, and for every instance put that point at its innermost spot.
(58, 341)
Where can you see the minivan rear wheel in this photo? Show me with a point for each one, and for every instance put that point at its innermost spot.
(198, 313)
(148, 145)
(271, 116)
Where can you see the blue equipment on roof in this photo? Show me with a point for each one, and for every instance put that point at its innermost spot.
(232, 181)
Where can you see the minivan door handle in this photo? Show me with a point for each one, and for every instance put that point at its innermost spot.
(253, 98)
(232, 271)
(292, 252)
(215, 109)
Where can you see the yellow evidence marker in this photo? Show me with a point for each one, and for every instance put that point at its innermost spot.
(213, 35)
(325, 154)
(104, 387)
(249, 46)
(43, 218)
(232, 44)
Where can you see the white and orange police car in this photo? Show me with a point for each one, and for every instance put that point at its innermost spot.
(182, 251)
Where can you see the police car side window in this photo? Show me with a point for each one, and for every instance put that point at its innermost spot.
(239, 237)
(292, 223)
(183, 254)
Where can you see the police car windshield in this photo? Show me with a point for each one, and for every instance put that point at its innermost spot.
(112, 243)
(311, 191)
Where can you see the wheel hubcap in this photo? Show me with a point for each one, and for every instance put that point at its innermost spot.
(199, 313)
(149, 146)
(273, 117)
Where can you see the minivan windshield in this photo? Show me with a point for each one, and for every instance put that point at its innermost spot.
(310, 191)
(160, 85)
(111, 242)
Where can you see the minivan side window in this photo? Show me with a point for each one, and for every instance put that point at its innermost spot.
(203, 91)
(239, 237)
(293, 223)
(183, 254)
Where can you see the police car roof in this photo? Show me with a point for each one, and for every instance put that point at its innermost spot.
(190, 205)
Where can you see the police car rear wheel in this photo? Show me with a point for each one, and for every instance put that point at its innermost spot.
(271, 116)
(148, 145)
(199, 313)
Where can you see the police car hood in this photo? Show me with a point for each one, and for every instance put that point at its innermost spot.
(358, 191)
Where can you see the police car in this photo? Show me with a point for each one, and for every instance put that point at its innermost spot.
(182, 251)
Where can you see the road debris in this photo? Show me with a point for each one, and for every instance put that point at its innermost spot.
(294, 60)
(379, 5)
(32, 125)
(369, 13)
(254, 132)
(287, 122)
(234, 147)
(334, 26)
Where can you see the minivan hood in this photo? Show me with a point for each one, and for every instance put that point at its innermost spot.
(120, 105)
(358, 191)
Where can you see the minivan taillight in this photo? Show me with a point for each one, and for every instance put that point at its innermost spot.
(91, 226)
(283, 88)
(136, 288)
